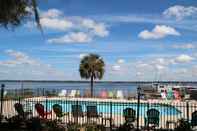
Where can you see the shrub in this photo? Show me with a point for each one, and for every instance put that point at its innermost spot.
(183, 125)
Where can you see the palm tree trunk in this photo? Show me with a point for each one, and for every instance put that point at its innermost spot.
(92, 82)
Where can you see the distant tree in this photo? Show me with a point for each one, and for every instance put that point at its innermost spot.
(92, 67)
(13, 12)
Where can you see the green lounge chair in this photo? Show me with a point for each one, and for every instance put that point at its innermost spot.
(129, 115)
(111, 94)
(92, 112)
(152, 118)
(77, 112)
(58, 111)
(194, 119)
(170, 94)
(21, 113)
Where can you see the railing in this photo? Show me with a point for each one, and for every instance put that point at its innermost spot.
(98, 93)
(109, 111)
(109, 107)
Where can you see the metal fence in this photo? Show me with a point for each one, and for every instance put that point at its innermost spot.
(39, 92)
(109, 111)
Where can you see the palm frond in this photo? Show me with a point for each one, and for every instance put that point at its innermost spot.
(92, 65)
(14, 12)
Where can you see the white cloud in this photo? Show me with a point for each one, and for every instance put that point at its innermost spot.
(184, 46)
(98, 29)
(183, 58)
(79, 37)
(180, 12)
(51, 13)
(16, 54)
(139, 74)
(54, 19)
(142, 64)
(160, 31)
(81, 56)
(116, 68)
(22, 66)
(77, 29)
(120, 61)
(182, 71)
(159, 67)
(18, 58)
(58, 24)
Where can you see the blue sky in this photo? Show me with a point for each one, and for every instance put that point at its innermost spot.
(138, 40)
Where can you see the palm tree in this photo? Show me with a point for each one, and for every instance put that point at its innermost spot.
(92, 67)
(13, 12)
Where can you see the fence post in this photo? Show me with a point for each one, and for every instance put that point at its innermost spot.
(110, 116)
(77, 111)
(187, 107)
(2, 94)
(138, 107)
(43, 94)
(19, 99)
(148, 105)
(46, 106)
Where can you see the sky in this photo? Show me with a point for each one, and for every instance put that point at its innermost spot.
(139, 40)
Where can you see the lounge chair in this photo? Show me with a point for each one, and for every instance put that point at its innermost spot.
(73, 93)
(87, 93)
(92, 112)
(194, 119)
(111, 94)
(129, 115)
(77, 112)
(77, 93)
(163, 94)
(21, 113)
(177, 95)
(103, 94)
(170, 94)
(40, 110)
(152, 118)
(58, 111)
(119, 94)
(63, 93)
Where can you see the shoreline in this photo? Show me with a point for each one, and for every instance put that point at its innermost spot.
(103, 81)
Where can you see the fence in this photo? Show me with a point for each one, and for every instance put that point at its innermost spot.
(109, 111)
(99, 93)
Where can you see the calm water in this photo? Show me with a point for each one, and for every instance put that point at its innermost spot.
(109, 86)
(70, 85)
(117, 108)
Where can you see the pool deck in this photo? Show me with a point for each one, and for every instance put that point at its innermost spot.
(173, 102)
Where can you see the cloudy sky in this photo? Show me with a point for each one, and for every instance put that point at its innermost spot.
(138, 40)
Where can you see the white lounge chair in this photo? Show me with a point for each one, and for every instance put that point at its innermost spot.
(63, 93)
(163, 95)
(5, 93)
(73, 93)
(77, 93)
(119, 94)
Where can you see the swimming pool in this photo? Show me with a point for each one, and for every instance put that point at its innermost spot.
(115, 107)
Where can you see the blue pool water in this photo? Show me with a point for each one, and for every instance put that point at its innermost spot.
(116, 108)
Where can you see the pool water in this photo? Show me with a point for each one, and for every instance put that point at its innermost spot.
(114, 107)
